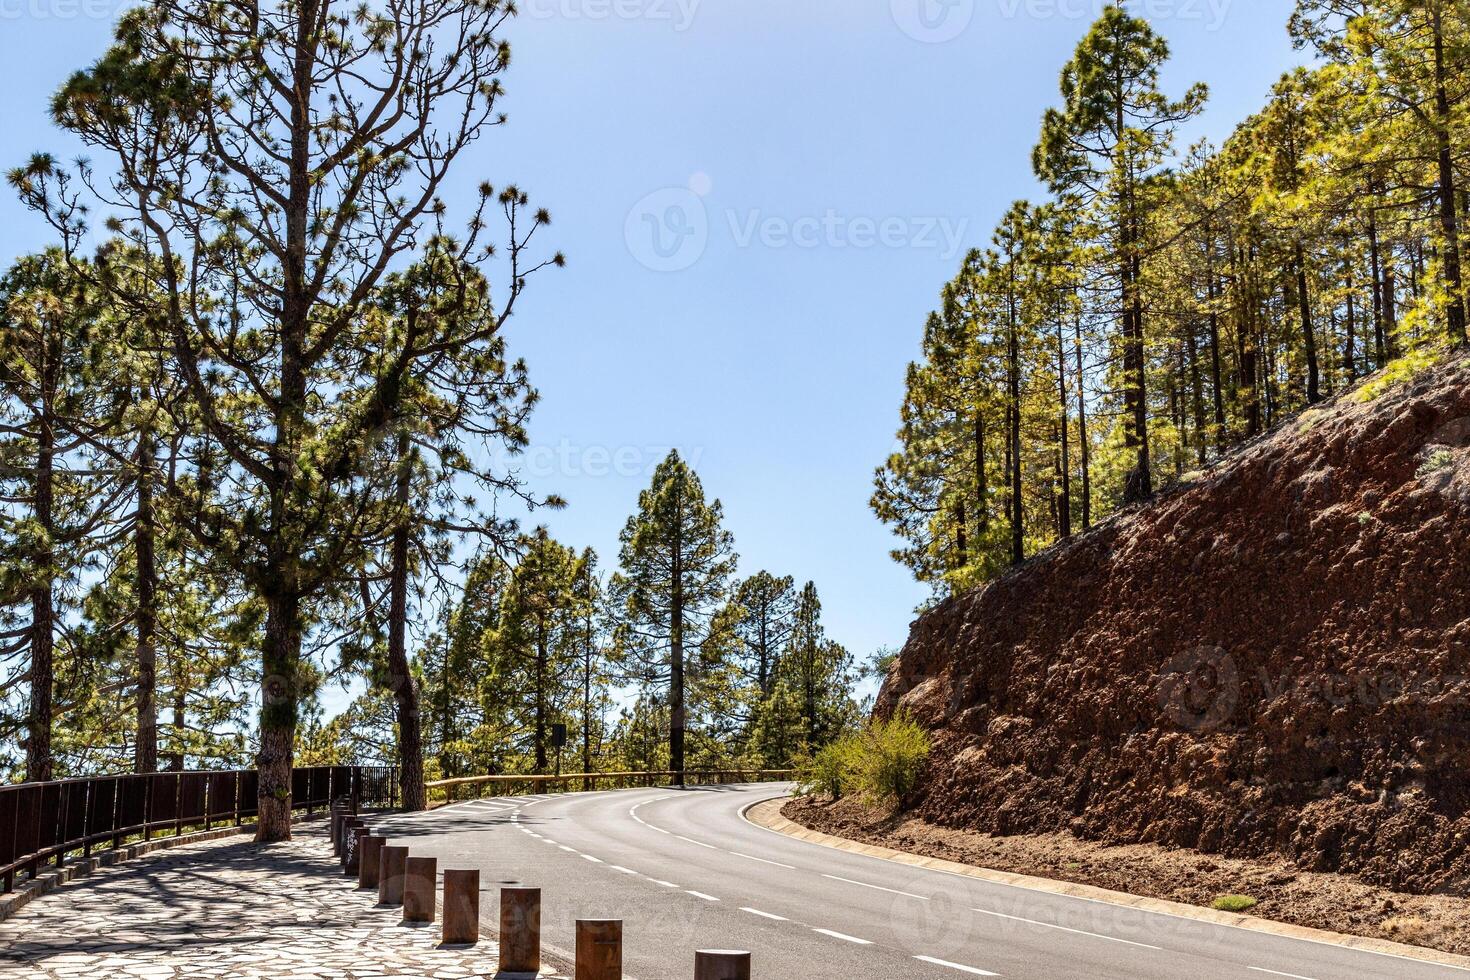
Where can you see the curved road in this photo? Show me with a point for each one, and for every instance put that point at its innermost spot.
(685, 871)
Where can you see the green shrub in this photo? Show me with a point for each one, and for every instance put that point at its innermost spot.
(1233, 903)
(1437, 461)
(831, 771)
(891, 757)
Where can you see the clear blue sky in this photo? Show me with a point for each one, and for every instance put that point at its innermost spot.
(814, 170)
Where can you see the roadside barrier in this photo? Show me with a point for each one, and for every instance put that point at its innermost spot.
(392, 862)
(516, 785)
(402, 879)
(599, 949)
(520, 930)
(721, 964)
(461, 907)
(419, 874)
(372, 852)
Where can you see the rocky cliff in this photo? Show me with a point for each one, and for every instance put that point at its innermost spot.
(1272, 659)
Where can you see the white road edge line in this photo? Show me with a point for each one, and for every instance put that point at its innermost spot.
(1278, 973)
(956, 966)
(843, 936)
(765, 915)
(1051, 925)
(880, 888)
(707, 898)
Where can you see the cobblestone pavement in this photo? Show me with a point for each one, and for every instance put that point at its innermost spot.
(228, 910)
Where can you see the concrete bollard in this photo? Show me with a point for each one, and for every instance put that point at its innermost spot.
(520, 930)
(419, 875)
(352, 852)
(599, 949)
(461, 907)
(721, 964)
(391, 865)
(370, 870)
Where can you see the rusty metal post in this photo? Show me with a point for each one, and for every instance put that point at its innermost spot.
(599, 949)
(461, 907)
(520, 930)
(391, 865)
(419, 875)
(369, 872)
(721, 964)
(352, 851)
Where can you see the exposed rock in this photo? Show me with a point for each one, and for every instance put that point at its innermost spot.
(1274, 660)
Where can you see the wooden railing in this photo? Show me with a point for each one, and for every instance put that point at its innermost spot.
(42, 822)
(512, 785)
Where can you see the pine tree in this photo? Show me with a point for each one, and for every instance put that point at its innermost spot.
(675, 562)
(1101, 148)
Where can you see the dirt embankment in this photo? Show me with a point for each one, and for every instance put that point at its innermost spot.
(1270, 663)
(1338, 903)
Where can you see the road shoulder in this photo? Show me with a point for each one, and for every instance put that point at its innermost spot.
(767, 814)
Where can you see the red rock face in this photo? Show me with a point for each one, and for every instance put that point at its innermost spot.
(1275, 659)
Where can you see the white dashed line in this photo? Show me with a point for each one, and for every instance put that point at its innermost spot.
(1078, 932)
(619, 867)
(571, 850)
(880, 888)
(957, 966)
(701, 843)
(765, 915)
(589, 857)
(752, 857)
(666, 884)
(707, 898)
(843, 936)
(1278, 973)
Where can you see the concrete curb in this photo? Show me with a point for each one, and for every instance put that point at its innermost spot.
(49, 881)
(767, 815)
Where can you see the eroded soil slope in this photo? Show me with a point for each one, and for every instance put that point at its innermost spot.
(1274, 660)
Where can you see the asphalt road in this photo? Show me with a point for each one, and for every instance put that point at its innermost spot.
(686, 871)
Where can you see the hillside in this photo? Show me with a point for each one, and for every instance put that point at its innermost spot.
(1272, 660)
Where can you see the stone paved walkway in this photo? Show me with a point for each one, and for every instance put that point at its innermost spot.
(227, 910)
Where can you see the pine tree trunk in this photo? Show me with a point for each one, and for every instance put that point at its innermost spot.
(39, 764)
(1309, 335)
(145, 748)
(676, 657)
(1448, 220)
(1064, 506)
(1083, 439)
(405, 690)
(278, 715)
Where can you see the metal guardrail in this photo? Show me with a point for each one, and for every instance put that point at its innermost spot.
(42, 822)
(589, 780)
